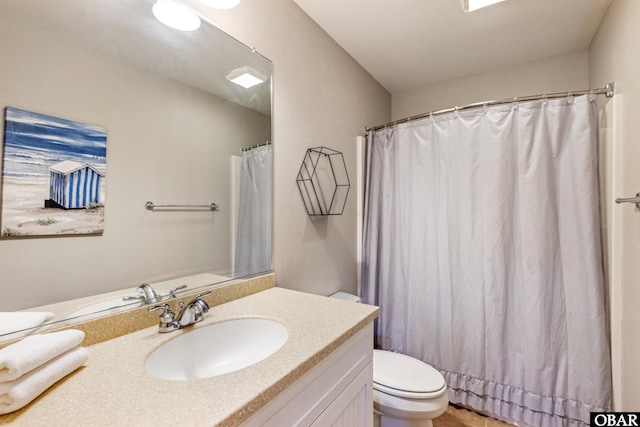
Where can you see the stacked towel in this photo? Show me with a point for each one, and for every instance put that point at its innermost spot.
(34, 364)
(33, 351)
(18, 393)
(13, 321)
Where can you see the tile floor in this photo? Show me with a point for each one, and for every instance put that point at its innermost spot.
(460, 417)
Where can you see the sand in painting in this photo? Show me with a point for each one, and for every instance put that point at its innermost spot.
(24, 214)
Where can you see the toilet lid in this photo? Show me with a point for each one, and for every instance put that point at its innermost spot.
(405, 376)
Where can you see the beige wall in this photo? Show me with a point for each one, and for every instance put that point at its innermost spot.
(613, 57)
(322, 98)
(557, 74)
(160, 147)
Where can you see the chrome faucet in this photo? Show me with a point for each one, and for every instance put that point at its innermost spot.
(167, 322)
(193, 311)
(190, 313)
(148, 295)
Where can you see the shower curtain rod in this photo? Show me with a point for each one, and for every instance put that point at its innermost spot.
(608, 90)
(267, 142)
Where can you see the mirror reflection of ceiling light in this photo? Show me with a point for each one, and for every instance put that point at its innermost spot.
(176, 15)
(221, 4)
(246, 77)
(471, 5)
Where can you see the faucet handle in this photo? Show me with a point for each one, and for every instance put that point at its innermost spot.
(202, 304)
(166, 310)
(167, 322)
(197, 306)
(204, 294)
(172, 291)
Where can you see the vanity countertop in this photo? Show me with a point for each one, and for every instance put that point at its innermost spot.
(113, 389)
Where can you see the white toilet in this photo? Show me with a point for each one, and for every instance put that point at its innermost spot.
(406, 391)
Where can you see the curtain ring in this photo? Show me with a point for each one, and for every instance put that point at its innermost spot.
(570, 99)
(544, 99)
(515, 103)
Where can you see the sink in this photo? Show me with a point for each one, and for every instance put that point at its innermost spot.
(103, 308)
(217, 349)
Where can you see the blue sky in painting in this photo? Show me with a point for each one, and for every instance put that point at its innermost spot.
(33, 142)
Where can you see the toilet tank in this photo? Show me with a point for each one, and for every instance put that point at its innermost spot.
(346, 297)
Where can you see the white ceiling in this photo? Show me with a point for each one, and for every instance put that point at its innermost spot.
(128, 30)
(408, 44)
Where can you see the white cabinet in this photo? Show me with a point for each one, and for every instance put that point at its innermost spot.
(336, 392)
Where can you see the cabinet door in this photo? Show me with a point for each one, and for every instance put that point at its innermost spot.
(306, 400)
(353, 406)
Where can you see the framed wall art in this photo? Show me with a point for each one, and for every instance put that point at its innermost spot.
(53, 176)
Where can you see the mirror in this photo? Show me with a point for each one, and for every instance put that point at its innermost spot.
(176, 129)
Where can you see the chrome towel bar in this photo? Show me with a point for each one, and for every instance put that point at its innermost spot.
(635, 200)
(151, 206)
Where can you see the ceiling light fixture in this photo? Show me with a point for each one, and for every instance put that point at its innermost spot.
(246, 77)
(471, 5)
(175, 15)
(221, 4)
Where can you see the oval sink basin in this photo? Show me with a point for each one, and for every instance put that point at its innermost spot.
(217, 349)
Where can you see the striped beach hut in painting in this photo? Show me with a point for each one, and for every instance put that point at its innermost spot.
(74, 185)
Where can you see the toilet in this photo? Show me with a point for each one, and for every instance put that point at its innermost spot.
(406, 391)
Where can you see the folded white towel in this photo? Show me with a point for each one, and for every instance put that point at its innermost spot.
(11, 321)
(26, 355)
(16, 394)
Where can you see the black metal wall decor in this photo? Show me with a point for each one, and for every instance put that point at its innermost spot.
(323, 182)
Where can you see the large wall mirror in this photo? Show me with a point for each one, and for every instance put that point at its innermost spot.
(179, 132)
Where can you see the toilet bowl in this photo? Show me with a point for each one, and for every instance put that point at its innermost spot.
(406, 391)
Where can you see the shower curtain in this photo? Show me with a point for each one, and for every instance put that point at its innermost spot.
(482, 247)
(253, 248)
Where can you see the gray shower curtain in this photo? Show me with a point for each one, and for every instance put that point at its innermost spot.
(253, 249)
(482, 247)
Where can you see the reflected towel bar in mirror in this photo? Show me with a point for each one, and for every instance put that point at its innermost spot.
(151, 206)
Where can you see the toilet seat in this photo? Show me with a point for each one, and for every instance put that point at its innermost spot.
(404, 376)
(407, 394)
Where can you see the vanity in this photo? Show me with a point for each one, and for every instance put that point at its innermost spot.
(322, 375)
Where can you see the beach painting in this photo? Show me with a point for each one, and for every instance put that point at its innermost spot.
(53, 176)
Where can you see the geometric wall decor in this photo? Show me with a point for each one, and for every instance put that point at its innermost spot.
(323, 182)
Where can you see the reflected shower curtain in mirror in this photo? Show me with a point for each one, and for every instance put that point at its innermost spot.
(253, 248)
(482, 247)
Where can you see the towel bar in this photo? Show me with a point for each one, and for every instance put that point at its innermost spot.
(635, 200)
(151, 206)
